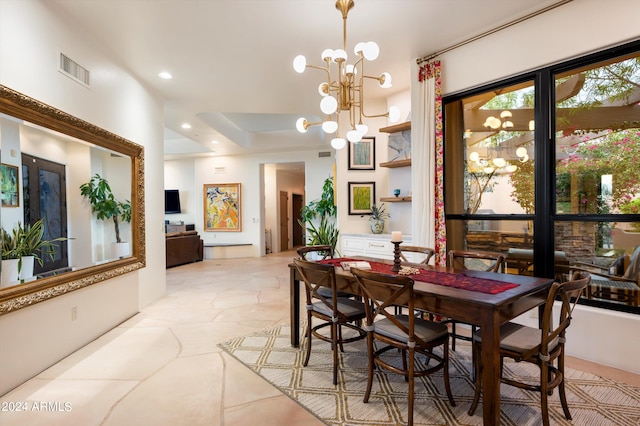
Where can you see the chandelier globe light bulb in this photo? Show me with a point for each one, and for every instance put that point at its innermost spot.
(302, 125)
(354, 136)
(385, 80)
(328, 105)
(338, 143)
(512, 168)
(329, 126)
(499, 162)
(474, 156)
(394, 114)
(323, 89)
(488, 170)
(338, 55)
(359, 48)
(299, 63)
(371, 51)
(362, 128)
(327, 55)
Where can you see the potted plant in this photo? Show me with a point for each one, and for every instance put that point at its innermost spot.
(23, 246)
(325, 232)
(377, 218)
(105, 205)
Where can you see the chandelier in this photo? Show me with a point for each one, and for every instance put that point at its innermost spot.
(343, 91)
(496, 160)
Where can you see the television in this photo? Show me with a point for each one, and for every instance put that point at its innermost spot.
(172, 201)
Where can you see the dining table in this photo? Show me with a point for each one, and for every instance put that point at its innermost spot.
(484, 299)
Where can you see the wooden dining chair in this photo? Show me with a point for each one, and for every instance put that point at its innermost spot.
(335, 312)
(407, 333)
(464, 260)
(540, 346)
(418, 254)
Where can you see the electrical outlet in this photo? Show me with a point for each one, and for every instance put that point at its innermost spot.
(74, 313)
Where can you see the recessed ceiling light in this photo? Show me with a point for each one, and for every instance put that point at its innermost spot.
(165, 75)
(186, 126)
(214, 142)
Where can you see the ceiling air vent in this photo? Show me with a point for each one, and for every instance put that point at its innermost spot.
(324, 154)
(219, 170)
(72, 69)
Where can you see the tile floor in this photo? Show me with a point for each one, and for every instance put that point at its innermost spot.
(162, 366)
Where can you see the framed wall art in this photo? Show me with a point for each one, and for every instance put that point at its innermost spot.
(222, 207)
(362, 155)
(362, 196)
(10, 188)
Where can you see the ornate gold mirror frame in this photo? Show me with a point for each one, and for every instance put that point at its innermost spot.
(22, 107)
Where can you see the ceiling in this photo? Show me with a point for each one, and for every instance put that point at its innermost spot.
(232, 60)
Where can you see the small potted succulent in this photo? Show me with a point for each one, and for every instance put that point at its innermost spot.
(377, 218)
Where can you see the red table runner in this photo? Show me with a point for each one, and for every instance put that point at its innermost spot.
(459, 280)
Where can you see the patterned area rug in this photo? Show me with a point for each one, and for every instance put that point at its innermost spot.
(592, 400)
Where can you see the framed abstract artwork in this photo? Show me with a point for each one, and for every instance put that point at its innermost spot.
(362, 196)
(362, 155)
(10, 191)
(222, 207)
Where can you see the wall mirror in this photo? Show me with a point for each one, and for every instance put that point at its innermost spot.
(46, 155)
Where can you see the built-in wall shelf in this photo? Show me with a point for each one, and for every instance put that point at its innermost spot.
(397, 163)
(396, 199)
(397, 127)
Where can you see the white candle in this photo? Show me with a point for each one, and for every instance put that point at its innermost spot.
(396, 236)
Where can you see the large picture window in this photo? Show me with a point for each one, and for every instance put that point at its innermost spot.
(548, 163)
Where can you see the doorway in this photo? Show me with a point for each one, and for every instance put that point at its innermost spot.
(284, 221)
(44, 189)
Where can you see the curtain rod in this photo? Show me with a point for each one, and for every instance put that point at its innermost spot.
(420, 61)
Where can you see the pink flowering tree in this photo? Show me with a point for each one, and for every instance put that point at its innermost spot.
(614, 153)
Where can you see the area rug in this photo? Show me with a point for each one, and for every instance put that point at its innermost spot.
(592, 400)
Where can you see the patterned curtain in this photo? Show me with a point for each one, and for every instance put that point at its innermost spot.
(428, 224)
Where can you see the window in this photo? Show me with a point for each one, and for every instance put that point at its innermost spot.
(547, 163)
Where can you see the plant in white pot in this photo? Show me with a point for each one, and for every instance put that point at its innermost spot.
(377, 218)
(23, 246)
(106, 207)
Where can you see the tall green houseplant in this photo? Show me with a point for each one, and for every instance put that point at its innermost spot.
(318, 218)
(104, 204)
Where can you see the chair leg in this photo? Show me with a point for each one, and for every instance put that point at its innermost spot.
(544, 396)
(447, 386)
(477, 369)
(404, 363)
(308, 354)
(561, 388)
(334, 344)
(453, 335)
(370, 350)
(410, 376)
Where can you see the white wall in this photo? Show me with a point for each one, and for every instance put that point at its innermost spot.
(31, 37)
(572, 30)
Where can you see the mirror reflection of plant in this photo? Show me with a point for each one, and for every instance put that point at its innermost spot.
(28, 241)
(324, 209)
(104, 204)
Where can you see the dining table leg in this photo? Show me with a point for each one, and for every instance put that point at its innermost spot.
(295, 307)
(490, 355)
